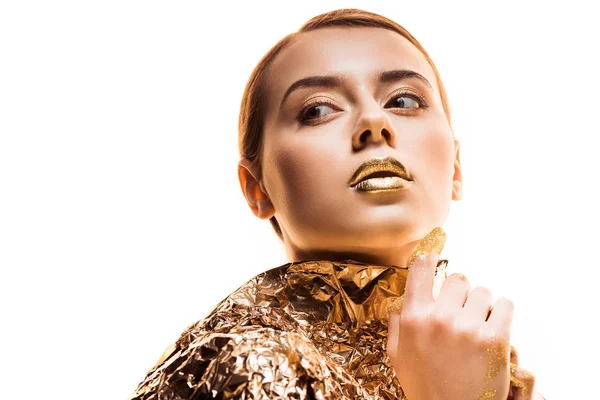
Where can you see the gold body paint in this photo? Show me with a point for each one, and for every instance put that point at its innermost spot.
(433, 242)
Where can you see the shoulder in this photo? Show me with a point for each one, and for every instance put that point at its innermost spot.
(248, 339)
(254, 362)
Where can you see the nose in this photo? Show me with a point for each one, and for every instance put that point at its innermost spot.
(373, 126)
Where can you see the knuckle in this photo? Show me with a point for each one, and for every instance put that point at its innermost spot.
(458, 277)
(464, 330)
(491, 336)
(409, 318)
(441, 319)
(526, 375)
(507, 303)
(483, 291)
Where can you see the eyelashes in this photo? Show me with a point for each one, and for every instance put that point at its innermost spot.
(310, 107)
(313, 110)
(422, 104)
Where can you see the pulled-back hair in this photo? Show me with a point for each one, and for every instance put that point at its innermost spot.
(253, 105)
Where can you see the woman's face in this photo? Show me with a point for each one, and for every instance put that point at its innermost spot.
(357, 105)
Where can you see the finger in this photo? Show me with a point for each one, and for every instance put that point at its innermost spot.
(441, 273)
(419, 283)
(478, 304)
(522, 383)
(501, 316)
(514, 355)
(422, 265)
(393, 334)
(454, 292)
(395, 304)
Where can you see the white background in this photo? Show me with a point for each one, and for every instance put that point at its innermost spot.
(121, 217)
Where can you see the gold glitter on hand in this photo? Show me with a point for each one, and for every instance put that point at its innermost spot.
(433, 242)
(488, 394)
(497, 360)
(396, 305)
(516, 382)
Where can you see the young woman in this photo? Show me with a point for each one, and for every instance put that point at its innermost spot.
(347, 148)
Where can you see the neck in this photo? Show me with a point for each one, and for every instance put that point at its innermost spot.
(397, 256)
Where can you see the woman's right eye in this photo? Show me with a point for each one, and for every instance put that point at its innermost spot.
(316, 110)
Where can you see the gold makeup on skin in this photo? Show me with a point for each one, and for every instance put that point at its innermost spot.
(381, 175)
(396, 305)
(497, 359)
(432, 243)
(516, 382)
(488, 394)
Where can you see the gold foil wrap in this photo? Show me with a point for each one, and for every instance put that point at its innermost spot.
(306, 330)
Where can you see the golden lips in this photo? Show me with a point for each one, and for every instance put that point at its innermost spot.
(380, 174)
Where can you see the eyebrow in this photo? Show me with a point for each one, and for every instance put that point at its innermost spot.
(331, 81)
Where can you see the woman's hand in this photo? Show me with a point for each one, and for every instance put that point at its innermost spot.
(522, 381)
(452, 347)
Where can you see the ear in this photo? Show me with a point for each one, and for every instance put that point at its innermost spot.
(457, 179)
(254, 191)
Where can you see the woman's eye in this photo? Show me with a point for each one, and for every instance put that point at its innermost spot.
(316, 111)
(405, 100)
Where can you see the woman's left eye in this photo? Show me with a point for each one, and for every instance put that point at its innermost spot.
(406, 100)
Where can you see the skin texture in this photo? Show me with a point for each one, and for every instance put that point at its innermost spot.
(306, 167)
(320, 215)
(458, 336)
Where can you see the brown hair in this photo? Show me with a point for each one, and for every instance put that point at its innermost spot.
(253, 100)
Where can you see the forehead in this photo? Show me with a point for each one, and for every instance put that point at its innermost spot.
(357, 53)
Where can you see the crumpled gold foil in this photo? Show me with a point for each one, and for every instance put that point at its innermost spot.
(305, 330)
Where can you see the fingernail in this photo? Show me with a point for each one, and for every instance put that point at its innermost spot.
(441, 269)
(441, 273)
(432, 243)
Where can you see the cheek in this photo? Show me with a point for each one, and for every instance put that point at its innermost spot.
(438, 150)
(291, 169)
(295, 173)
(307, 177)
